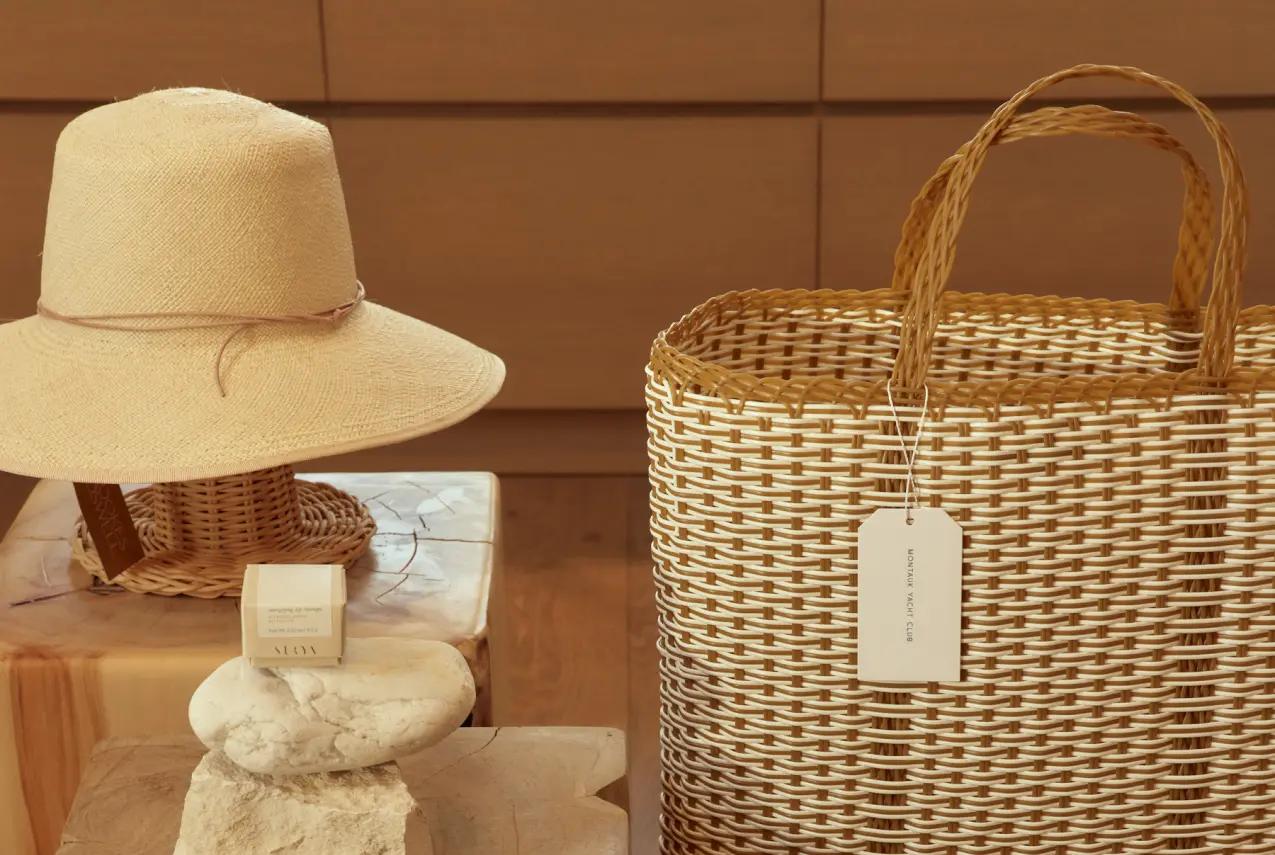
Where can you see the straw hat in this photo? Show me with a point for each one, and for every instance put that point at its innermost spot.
(200, 315)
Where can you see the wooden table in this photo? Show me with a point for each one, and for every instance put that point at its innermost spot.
(78, 665)
(481, 791)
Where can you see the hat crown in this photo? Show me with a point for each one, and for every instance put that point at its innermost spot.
(195, 201)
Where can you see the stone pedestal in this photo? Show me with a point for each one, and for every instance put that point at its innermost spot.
(83, 664)
(478, 792)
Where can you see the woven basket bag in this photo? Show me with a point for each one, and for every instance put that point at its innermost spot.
(1112, 467)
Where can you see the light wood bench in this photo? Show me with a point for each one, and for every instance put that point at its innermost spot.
(79, 665)
(481, 791)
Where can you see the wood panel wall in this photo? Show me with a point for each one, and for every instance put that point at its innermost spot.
(559, 180)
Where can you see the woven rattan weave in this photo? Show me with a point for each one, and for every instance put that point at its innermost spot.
(1112, 466)
(199, 535)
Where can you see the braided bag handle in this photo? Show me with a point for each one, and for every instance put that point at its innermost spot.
(936, 256)
(1195, 236)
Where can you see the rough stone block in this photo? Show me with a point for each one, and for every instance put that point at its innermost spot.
(230, 810)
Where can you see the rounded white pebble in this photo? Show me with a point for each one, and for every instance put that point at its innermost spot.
(390, 697)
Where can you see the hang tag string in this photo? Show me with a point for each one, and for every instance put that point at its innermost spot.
(204, 321)
(911, 493)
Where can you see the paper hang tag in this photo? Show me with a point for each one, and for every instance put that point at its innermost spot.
(111, 527)
(910, 597)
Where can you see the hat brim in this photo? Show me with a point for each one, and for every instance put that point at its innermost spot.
(112, 406)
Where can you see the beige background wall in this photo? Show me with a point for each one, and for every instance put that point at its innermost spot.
(559, 179)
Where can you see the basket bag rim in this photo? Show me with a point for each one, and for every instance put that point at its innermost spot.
(681, 374)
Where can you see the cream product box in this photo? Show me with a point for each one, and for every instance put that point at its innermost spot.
(293, 614)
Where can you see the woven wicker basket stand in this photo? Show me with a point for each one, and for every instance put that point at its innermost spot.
(199, 535)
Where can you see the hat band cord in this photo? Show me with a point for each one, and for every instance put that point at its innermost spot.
(200, 321)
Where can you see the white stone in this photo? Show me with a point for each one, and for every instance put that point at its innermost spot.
(390, 697)
(231, 810)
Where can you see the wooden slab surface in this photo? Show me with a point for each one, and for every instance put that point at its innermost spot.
(70, 50)
(592, 234)
(481, 791)
(81, 665)
(925, 50)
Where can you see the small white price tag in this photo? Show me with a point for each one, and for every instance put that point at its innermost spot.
(910, 597)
